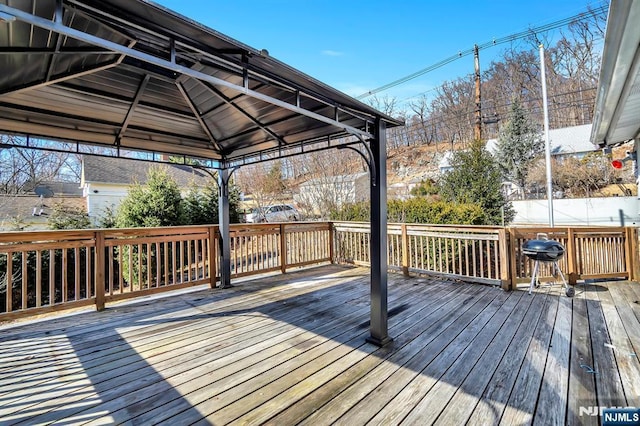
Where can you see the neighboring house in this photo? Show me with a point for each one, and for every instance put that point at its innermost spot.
(317, 196)
(31, 211)
(402, 190)
(106, 181)
(566, 142)
(444, 165)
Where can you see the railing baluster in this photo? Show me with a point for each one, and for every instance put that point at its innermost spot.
(76, 257)
(38, 278)
(110, 282)
(52, 277)
(65, 277)
(9, 281)
(87, 272)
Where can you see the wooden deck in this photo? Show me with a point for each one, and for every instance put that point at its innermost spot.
(291, 349)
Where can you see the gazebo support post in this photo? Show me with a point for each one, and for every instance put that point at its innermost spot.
(225, 234)
(378, 324)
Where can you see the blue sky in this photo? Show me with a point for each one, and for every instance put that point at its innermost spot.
(356, 46)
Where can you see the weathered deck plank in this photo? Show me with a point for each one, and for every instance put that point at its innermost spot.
(626, 358)
(552, 401)
(185, 354)
(196, 390)
(493, 339)
(582, 386)
(469, 395)
(291, 349)
(609, 389)
(493, 403)
(435, 334)
(406, 388)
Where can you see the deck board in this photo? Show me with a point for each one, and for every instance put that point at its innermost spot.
(582, 388)
(435, 333)
(552, 399)
(291, 349)
(626, 358)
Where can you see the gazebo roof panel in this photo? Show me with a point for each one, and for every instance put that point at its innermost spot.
(134, 71)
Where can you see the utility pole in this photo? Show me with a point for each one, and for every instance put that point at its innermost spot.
(477, 134)
(547, 143)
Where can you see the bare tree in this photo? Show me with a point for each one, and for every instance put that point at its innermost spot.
(263, 183)
(330, 181)
(22, 169)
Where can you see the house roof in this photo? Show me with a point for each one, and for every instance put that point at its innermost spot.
(58, 188)
(617, 108)
(126, 171)
(133, 75)
(566, 140)
(22, 207)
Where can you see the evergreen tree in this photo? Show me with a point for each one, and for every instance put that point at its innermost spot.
(235, 213)
(201, 204)
(157, 203)
(68, 217)
(519, 144)
(194, 207)
(475, 179)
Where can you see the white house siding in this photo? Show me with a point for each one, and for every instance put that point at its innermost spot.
(103, 196)
(610, 211)
(339, 190)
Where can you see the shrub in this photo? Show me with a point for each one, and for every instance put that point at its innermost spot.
(416, 210)
(68, 217)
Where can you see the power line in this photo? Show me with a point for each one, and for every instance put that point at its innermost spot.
(465, 117)
(507, 39)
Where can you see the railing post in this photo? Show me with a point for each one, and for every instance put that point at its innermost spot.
(513, 275)
(213, 267)
(405, 250)
(331, 243)
(283, 250)
(505, 259)
(631, 252)
(572, 257)
(635, 254)
(99, 270)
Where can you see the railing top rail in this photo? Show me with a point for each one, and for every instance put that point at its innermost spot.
(168, 230)
(44, 236)
(420, 226)
(530, 232)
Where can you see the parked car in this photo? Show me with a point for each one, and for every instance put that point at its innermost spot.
(275, 213)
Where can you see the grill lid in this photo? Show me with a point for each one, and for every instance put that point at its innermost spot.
(543, 250)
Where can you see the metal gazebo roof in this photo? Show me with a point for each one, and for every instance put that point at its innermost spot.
(133, 75)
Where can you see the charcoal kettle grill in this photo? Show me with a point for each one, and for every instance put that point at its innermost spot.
(548, 251)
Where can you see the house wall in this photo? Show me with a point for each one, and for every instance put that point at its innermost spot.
(362, 189)
(610, 211)
(101, 197)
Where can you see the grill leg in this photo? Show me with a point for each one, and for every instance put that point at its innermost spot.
(570, 291)
(534, 275)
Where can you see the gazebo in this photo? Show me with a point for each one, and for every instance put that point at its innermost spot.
(131, 75)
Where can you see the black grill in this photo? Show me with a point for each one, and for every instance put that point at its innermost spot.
(543, 250)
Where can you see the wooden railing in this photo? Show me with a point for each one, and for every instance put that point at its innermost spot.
(46, 269)
(465, 252)
(54, 270)
(493, 255)
(596, 252)
(260, 248)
